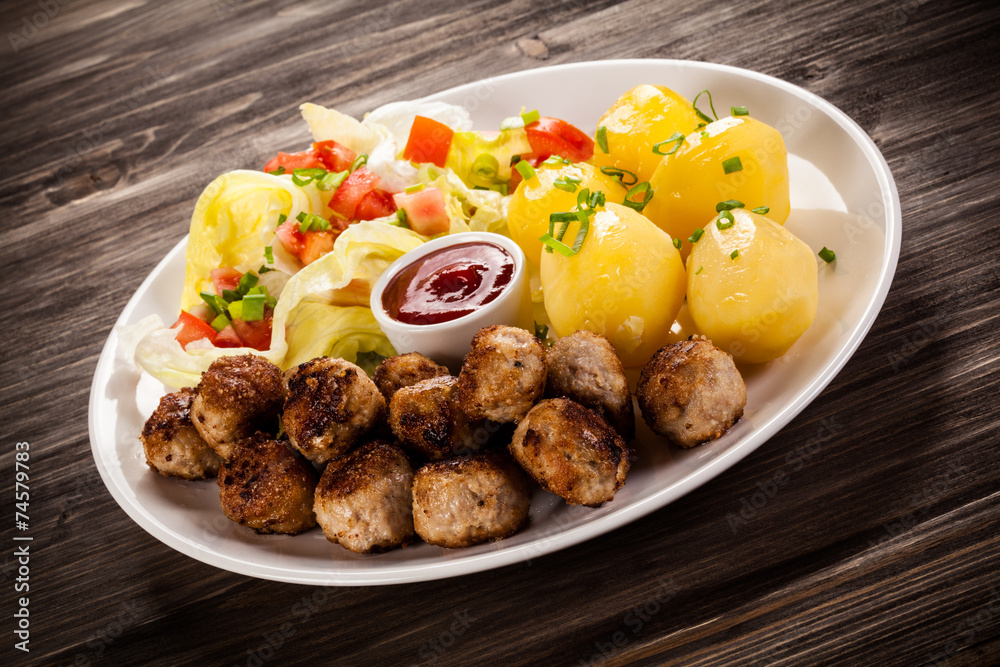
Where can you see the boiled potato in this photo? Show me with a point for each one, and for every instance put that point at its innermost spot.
(642, 117)
(755, 305)
(688, 184)
(536, 199)
(627, 282)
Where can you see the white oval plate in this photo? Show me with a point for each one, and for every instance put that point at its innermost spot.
(843, 197)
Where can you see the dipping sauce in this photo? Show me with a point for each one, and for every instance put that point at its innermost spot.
(448, 283)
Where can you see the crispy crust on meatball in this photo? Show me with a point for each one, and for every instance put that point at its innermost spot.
(571, 451)
(172, 444)
(364, 500)
(502, 375)
(426, 419)
(584, 367)
(331, 405)
(469, 500)
(691, 392)
(405, 370)
(237, 396)
(267, 486)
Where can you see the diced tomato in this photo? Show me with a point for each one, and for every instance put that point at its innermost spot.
(191, 328)
(425, 211)
(429, 141)
(376, 204)
(291, 161)
(350, 193)
(551, 136)
(311, 245)
(225, 278)
(256, 334)
(228, 338)
(334, 156)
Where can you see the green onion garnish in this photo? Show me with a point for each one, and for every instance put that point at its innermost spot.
(512, 123)
(728, 217)
(694, 105)
(552, 244)
(827, 255)
(221, 322)
(526, 170)
(565, 185)
(597, 199)
(728, 205)
(735, 254)
(486, 166)
(762, 210)
(359, 162)
(554, 160)
(303, 177)
(677, 243)
(309, 222)
(731, 165)
(231, 296)
(281, 219)
(502, 188)
(236, 310)
(265, 269)
(562, 217)
(676, 139)
(332, 180)
(602, 138)
(696, 234)
(253, 307)
(531, 116)
(401, 217)
(641, 189)
(699, 270)
(541, 331)
(277, 172)
(620, 175)
(414, 188)
(740, 111)
(247, 280)
(703, 134)
(269, 254)
(214, 302)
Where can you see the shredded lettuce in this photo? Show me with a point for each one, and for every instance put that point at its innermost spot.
(467, 146)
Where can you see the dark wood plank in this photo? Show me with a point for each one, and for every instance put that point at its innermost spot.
(882, 548)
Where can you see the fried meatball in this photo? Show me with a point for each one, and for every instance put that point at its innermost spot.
(584, 367)
(571, 451)
(468, 500)
(172, 445)
(426, 419)
(691, 392)
(503, 374)
(237, 396)
(364, 500)
(331, 405)
(405, 370)
(267, 486)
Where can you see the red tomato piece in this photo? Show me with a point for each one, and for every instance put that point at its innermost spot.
(225, 278)
(551, 136)
(256, 334)
(334, 156)
(350, 193)
(191, 328)
(376, 204)
(429, 141)
(311, 245)
(228, 338)
(292, 161)
(425, 211)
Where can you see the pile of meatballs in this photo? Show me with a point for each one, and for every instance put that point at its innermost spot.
(414, 451)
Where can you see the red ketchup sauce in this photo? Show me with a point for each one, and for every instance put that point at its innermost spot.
(448, 283)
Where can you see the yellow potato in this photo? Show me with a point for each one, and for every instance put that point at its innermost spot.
(535, 200)
(688, 184)
(642, 117)
(756, 305)
(627, 282)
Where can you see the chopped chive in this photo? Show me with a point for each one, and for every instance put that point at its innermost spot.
(728, 205)
(221, 322)
(231, 296)
(236, 310)
(309, 222)
(303, 177)
(699, 270)
(620, 174)
(401, 219)
(512, 123)
(641, 189)
(502, 188)
(761, 210)
(247, 280)
(265, 269)
(731, 165)
(554, 160)
(677, 243)
(583, 199)
(277, 172)
(526, 170)
(486, 166)
(213, 302)
(563, 184)
(332, 180)
(269, 254)
(729, 220)
(676, 139)
(253, 307)
(581, 234)
(703, 116)
(696, 234)
(740, 111)
(414, 188)
(282, 218)
(541, 331)
(597, 199)
(703, 134)
(551, 244)
(531, 116)
(734, 254)
(359, 162)
(827, 255)
(602, 138)
(562, 217)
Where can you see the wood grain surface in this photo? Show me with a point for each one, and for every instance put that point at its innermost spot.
(883, 548)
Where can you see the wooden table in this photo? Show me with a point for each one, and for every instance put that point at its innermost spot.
(882, 549)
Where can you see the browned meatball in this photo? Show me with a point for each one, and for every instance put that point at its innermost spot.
(364, 500)
(267, 486)
(470, 499)
(426, 419)
(691, 392)
(571, 452)
(502, 375)
(331, 405)
(172, 445)
(237, 396)
(405, 370)
(584, 367)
